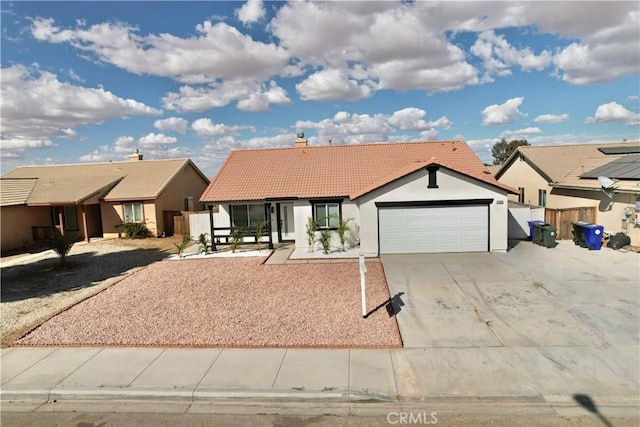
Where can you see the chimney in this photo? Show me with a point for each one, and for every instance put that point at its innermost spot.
(135, 156)
(301, 141)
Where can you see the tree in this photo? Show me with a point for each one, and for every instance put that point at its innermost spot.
(503, 149)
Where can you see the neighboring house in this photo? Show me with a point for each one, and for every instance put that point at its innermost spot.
(564, 178)
(94, 199)
(399, 197)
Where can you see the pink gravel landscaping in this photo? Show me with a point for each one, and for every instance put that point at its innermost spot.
(230, 302)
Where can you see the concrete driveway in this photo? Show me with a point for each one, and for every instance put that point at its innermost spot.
(533, 321)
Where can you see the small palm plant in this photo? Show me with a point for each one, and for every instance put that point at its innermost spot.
(202, 243)
(236, 238)
(343, 231)
(186, 241)
(312, 227)
(259, 232)
(325, 241)
(62, 245)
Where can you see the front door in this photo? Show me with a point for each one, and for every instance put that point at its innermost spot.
(286, 221)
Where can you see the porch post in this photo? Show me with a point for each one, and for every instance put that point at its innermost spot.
(85, 227)
(61, 220)
(213, 237)
(267, 214)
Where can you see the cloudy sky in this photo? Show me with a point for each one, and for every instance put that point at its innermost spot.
(91, 81)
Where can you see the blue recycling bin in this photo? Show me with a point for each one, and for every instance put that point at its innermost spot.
(531, 228)
(593, 236)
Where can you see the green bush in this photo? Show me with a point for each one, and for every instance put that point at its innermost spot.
(325, 241)
(62, 245)
(135, 230)
(202, 243)
(186, 241)
(236, 238)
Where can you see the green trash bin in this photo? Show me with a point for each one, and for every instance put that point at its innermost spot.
(548, 236)
(537, 233)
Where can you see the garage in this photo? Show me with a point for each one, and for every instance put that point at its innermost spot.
(453, 227)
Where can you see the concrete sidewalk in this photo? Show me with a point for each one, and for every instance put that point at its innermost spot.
(535, 378)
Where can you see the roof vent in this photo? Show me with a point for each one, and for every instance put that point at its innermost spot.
(301, 141)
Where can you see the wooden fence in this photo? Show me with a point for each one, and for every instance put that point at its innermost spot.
(561, 219)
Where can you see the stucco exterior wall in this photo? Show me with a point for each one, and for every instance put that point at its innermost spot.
(113, 217)
(187, 183)
(521, 174)
(302, 211)
(16, 223)
(413, 187)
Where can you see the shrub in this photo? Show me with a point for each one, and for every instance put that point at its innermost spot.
(259, 232)
(135, 230)
(202, 243)
(236, 238)
(186, 241)
(62, 245)
(312, 227)
(343, 230)
(325, 241)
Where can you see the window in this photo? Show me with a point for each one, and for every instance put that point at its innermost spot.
(247, 215)
(327, 215)
(133, 212)
(542, 198)
(69, 216)
(433, 183)
(521, 196)
(188, 203)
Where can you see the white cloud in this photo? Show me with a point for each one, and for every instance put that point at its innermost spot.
(156, 139)
(172, 124)
(331, 85)
(503, 114)
(499, 56)
(614, 112)
(250, 12)
(36, 107)
(261, 101)
(345, 128)
(551, 118)
(520, 132)
(335, 35)
(633, 98)
(413, 119)
(251, 96)
(206, 128)
(218, 51)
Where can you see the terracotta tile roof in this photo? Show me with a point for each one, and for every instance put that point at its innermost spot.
(69, 184)
(334, 170)
(16, 191)
(558, 162)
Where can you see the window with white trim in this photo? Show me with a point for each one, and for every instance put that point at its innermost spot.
(132, 212)
(327, 214)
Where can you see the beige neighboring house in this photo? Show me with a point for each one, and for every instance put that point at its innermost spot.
(413, 197)
(94, 199)
(565, 177)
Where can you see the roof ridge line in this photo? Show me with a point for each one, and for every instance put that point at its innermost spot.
(364, 144)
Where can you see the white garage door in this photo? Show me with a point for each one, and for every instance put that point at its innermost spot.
(432, 229)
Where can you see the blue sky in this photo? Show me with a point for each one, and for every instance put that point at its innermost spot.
(91, 81)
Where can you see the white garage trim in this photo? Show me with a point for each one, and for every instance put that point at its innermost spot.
(434, 226)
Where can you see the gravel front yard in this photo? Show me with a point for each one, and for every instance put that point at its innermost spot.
(34, 288)
(230, 302)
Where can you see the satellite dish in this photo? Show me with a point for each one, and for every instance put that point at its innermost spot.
(607, 186)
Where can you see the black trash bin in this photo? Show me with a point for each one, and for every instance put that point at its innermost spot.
(578, 233)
